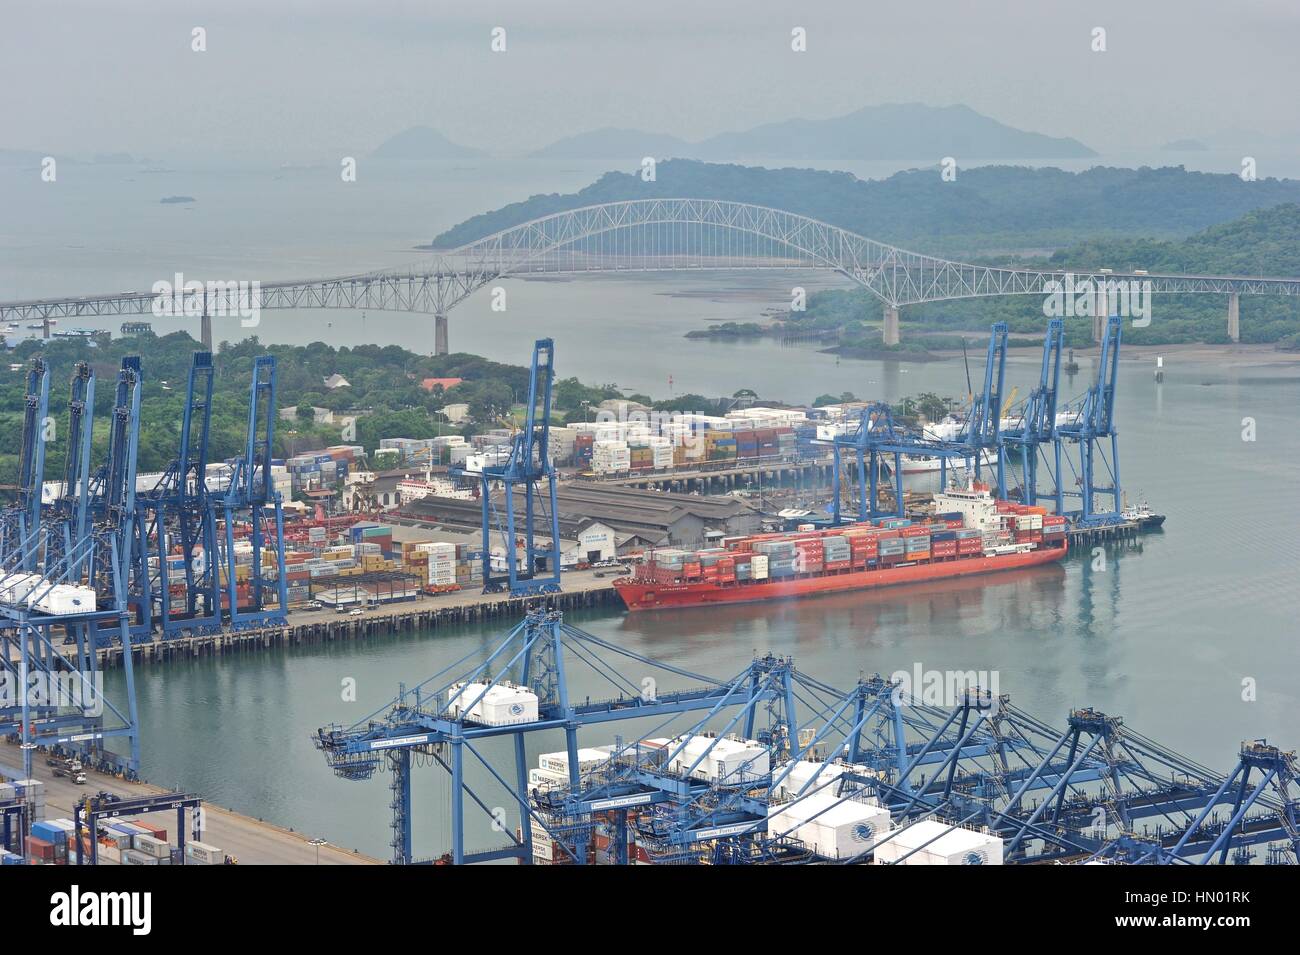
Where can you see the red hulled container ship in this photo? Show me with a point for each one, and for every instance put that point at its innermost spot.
(971, 533)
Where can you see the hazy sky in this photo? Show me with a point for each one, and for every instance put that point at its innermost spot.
(291, 79)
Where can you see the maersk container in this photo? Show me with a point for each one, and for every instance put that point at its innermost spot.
(151, 846)
(136, 857)
(200, 853)
(547, 779)
(588, 759)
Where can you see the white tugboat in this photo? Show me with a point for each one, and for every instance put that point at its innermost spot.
(1142, 515)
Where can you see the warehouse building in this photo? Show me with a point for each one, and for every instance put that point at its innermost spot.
(637, 518)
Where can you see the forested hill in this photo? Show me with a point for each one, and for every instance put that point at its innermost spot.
(991, 209)
(1264, 242)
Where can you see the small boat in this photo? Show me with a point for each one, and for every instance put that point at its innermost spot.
(1142, 515)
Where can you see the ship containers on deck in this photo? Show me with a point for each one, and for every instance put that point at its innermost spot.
(781, 568)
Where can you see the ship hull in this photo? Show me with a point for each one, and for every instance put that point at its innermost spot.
(641, 595)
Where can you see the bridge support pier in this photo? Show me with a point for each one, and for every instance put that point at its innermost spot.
(205, 331)
(891, 336)
(1234, 316)
(1100, 312)
(440, 334)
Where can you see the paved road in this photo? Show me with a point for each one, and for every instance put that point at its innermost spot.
(247, 839)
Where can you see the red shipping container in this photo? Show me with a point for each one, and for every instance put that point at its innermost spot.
(40, 849)
(837, 564)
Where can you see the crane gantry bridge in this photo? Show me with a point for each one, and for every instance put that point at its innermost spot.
(1094, 790)
(650, 235)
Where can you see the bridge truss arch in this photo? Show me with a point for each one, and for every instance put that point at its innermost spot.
(643, 235)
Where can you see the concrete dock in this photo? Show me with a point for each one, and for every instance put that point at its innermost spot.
(250, 841)
(582, 589)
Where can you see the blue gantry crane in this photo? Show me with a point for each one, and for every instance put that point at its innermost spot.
(441, 720)
(878, 443)
(66, 589)
(1032, 442)
(981, 433)
(1083, 435)
(528, 474)
(252, 494)
(902, 759)
(21, 520)
(180, 511)
(91, 567)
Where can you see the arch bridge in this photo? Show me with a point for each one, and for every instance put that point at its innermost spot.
(651, 235)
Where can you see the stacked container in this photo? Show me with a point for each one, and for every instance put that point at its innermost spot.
(836, 553)
(611, 457)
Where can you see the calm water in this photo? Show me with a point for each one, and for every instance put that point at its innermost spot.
(1164, 635)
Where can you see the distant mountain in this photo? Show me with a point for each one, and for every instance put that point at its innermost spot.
(990, 209)
(421, 142)
(616, 144)
(894, 131)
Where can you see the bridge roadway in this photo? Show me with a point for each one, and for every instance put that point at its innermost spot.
(645, 235)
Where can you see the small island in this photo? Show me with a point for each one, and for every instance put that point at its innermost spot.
(729, 330)
(171, 200)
